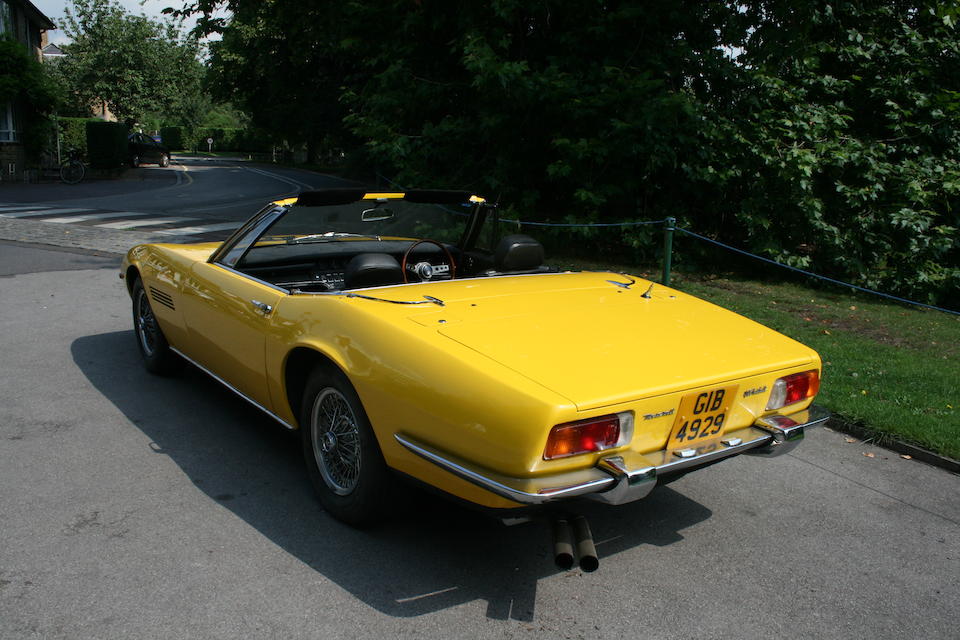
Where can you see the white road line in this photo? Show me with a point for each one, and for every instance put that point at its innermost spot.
(97, 216)
(39, 212)
(30, 207)
(149, 222)
(189, 231)
(276, 176)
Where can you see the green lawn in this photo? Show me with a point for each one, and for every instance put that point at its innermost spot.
(893, 369)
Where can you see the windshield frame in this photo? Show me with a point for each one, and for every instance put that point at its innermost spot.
(233, 250)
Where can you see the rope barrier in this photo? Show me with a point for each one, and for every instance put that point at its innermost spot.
(719, 244)
(815, 275)
(584, 225)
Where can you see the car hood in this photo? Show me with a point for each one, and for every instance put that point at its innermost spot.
(599, 344)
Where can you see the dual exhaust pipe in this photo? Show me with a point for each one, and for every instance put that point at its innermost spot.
(573, 541)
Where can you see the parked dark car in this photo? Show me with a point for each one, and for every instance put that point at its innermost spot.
(142, 149)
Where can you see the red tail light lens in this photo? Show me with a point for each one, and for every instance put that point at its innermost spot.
(585, 436)
(794, 388)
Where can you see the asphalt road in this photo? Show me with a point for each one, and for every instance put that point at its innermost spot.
(133, 506)
(216, 188)
(192, 200)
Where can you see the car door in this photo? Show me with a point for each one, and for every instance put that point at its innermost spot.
(149, 149)
(228, 318)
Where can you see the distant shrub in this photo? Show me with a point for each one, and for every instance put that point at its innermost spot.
(247, 140)
(73, 134)
(173, 138)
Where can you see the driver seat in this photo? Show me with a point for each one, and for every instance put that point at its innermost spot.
(372, 270)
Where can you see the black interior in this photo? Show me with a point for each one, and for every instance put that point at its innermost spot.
(355, 264)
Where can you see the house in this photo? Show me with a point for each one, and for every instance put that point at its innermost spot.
(52, 53)
(22, 21)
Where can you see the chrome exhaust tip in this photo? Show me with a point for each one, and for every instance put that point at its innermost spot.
(573, 543)
(562, 544)
(586, 550)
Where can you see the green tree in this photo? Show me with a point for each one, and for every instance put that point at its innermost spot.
(134, 64)
(840, 148)
(825, 134)
(24, 83)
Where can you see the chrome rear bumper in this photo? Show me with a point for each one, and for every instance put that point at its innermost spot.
(627, 476)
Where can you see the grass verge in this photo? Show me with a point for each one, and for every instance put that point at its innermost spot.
(892, 370)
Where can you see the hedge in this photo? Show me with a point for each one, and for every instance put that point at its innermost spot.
(106, 144)
(173, 138)
(73, 134)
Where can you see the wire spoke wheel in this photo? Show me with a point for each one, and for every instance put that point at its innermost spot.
(335, 434)
(146, 324)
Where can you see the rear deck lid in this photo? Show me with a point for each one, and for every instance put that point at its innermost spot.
(603, 346)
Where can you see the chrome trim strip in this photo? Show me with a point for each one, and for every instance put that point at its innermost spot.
(428, 299)
(563, 486)
(786, 431)
(749, 438)
(232, 388)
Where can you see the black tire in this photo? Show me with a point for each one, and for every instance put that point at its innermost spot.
(164, 160)
(158, 358)
(340, 449)
(71, 172)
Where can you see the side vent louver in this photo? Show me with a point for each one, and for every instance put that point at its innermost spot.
(161, 298)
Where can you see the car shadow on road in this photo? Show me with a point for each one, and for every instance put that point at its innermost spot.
(430, 556)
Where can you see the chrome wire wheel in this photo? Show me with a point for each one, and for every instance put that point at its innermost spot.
(336, 441)
(147, 330)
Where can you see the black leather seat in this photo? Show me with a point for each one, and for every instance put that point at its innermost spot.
(372, 270)
(518, 253)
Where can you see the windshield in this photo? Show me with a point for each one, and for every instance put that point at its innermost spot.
(366, 219)
(337, 239)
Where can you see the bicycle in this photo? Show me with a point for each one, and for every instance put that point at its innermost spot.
(72, 169)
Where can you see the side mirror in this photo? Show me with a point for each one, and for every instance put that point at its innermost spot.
(376, 215)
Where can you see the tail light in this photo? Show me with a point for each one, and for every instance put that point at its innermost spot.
(586, 436)
(794, 388)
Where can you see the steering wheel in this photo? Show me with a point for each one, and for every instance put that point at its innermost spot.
(425, 270)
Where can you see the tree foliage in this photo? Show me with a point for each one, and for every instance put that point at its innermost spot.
(25, 84)
(826, 134)
(134, 64)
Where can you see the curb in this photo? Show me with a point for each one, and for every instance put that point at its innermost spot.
(885, 440)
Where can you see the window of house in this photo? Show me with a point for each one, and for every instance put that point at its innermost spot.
(6, 18)
(8, 128)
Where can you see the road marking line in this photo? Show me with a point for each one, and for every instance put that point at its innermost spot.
(29, 207)
(149, 222)
(189, 231)
(38, 212)
(293, 182)
(97, 216)
(183, 174)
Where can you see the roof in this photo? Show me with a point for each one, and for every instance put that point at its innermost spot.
(35, 15)
(52, 50)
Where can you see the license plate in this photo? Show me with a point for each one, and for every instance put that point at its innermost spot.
(701, 417)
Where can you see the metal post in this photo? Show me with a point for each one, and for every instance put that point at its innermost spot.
(56, 127)
(668, 227)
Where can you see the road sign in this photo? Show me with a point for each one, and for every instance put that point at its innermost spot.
(209, 144)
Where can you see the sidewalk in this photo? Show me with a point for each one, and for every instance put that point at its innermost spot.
(89, 238)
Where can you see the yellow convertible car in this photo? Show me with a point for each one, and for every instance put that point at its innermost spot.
(410, 334)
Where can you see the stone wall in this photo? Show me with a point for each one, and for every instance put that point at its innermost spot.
(11, 153)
